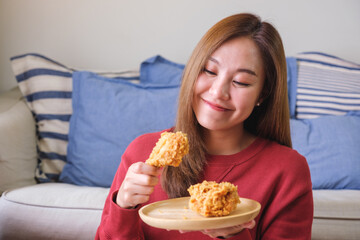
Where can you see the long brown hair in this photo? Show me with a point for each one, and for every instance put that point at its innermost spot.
(270, 120)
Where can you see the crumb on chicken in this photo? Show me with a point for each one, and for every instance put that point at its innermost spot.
(212, 199)
(169, 150)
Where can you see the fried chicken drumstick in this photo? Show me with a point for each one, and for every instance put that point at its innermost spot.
(169, 150)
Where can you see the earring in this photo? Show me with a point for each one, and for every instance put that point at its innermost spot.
(258, 104)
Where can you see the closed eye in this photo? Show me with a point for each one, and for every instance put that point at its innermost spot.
(240, 84)
(209, 72)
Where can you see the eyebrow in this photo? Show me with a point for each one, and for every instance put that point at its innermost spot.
(251, 72)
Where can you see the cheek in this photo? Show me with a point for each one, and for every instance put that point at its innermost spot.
(201, 85)
(245, 98)
(200, 88)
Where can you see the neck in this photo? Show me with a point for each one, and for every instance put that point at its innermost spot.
(227, 142)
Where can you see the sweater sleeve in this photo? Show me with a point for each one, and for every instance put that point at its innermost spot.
(289, 214)
(116, 222)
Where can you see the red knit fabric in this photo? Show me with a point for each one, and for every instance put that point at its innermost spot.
(274, 175)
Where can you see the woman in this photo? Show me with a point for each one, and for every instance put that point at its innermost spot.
(234, 110)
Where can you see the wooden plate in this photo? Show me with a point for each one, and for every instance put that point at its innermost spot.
(174, 214)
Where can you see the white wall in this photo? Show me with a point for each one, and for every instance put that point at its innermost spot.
(119, 34)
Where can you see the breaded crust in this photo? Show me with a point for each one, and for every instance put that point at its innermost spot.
(169, 150)
(212, 199)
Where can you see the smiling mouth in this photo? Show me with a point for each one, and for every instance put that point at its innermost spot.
(216, 106)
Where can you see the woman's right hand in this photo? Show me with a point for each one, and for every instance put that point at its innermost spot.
(138, 184)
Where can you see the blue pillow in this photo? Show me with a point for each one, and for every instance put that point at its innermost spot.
(291, 83)
(107, 115)
(160, 70)
(47, 88)
(331, 145)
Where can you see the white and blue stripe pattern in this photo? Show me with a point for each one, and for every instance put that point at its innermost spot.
(326, 85)
(47, 88)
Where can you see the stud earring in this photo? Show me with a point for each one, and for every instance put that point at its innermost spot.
(258, 104)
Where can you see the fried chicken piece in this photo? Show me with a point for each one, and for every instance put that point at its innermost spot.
(169, 150)
(212, 199)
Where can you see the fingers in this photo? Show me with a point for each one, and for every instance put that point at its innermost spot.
(138, 184)
(249, 225)
(143, 168)
(136, 189)
(142, 174)
(225, 232)
(229, 231)
(141, 179)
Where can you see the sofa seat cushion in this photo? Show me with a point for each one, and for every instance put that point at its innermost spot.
(336, 215)
(337, 204)
(65, 211)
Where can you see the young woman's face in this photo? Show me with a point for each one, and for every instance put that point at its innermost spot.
(229, 86)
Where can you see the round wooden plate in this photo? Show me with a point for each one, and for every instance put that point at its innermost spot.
(174, 214)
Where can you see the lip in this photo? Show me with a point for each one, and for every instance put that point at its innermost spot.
(216, 107)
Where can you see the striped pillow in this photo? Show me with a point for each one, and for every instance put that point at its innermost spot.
(326, 85)
(47, 88)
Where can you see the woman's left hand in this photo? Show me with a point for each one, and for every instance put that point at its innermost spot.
(226, 232)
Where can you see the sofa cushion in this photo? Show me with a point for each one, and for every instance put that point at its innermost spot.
(161, 71)
(9, 99)
(324, 85)
(47, 87)
(336, 215)
(51, 211)
(335, 229)
(107, 115)
(59, 195)
(339, 204)
(17, 128)
(331, 146)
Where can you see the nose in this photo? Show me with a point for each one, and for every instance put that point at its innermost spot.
(220, 88)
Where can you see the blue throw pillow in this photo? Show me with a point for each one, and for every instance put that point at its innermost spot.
(47, 88)
(107, 115)
(331, 145)
(160, 70)
(292, 72)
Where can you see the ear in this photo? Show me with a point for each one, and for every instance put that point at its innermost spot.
(263, 96)
(259, 101)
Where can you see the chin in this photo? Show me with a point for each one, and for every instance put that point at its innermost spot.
(210, 125)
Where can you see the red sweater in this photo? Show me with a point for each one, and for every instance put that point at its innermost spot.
(276, 176)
